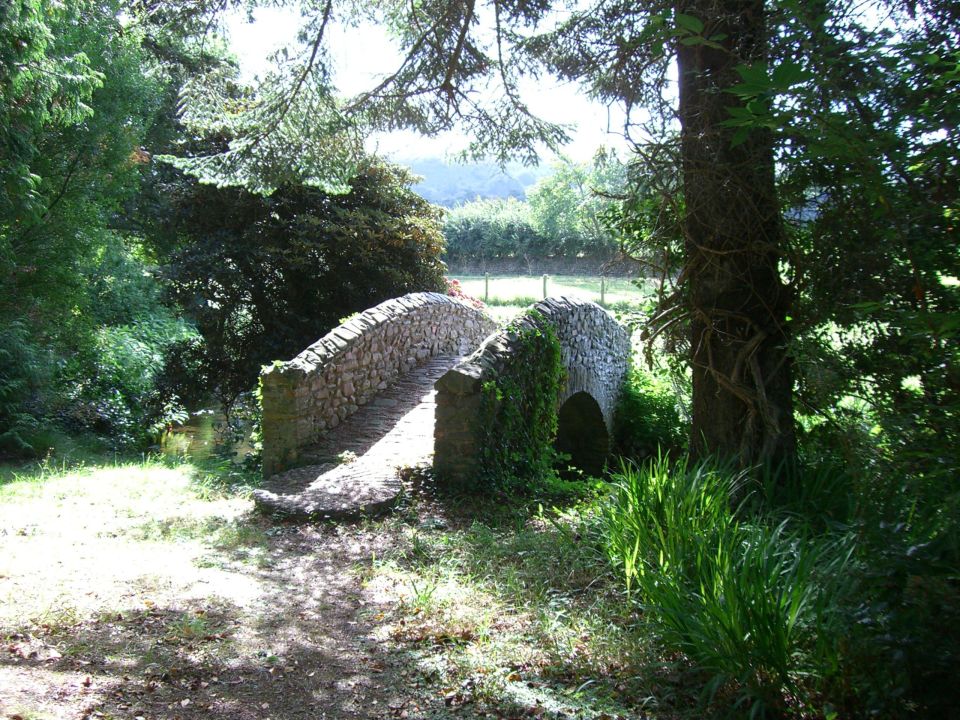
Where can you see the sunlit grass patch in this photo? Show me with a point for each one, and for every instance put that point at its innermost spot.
(85, 538)
(523, 613)
(503, 314)
(223, 533)
(520, 288)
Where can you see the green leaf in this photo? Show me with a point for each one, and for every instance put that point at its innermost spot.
(789, 73)
(689, 23)
(755, 74)
(739, 113)
(739, 137)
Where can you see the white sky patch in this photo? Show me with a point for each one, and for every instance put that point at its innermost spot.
(363, 55)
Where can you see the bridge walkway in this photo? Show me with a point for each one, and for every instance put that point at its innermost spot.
(392, 431)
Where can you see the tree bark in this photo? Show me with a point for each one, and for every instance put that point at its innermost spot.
(742, 377)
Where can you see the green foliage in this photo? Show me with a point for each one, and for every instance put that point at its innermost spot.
(287, 131)
(754, 604)
(646, 217)
(568, 206)
(648, 422)
(492, 229)
(519, 408)
(869, 182)
(562, 217)
(74, 293)
(264, 277)
(45, 83)
(904, 625)
(22, 373)
(115, 385)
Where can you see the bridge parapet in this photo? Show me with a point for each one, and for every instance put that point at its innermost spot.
(595, 351)
(331, 379)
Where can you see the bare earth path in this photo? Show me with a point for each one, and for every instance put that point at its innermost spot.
(394, 430)
(122, 595)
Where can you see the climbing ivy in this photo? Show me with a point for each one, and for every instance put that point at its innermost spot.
(519, 406)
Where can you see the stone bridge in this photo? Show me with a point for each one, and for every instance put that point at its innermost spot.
(341, 418)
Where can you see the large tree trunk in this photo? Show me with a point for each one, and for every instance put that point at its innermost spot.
(742, 379)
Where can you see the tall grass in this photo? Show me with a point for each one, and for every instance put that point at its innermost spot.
(750, 602)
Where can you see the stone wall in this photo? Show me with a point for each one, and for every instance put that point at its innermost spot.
(328, 381)
(596, 352)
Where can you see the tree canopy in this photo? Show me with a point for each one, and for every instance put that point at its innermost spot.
(263, 277)
(71, 156)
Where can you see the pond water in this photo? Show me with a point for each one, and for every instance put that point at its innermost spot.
(203, 436)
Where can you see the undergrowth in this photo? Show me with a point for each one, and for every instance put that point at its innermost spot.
(753, 600)
(521, 613)
(519, 406)
(648, 420)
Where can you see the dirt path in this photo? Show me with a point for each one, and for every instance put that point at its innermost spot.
(123, 596)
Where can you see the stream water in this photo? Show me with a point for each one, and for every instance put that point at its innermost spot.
(205, 435)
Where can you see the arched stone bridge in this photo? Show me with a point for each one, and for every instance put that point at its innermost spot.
(341, 418)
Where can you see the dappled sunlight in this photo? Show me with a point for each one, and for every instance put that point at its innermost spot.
(133, 595)
(497, 615)
(77, 542)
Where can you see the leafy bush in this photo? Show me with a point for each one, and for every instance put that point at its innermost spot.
(21, 372)
(753, 604)
(493, 229)
(906, 621)
(898, 486)
(114, 389)
(647, 419)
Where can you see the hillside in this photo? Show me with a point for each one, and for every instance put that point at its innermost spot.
(450, 184)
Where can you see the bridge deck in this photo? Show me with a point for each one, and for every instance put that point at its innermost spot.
(392, 431)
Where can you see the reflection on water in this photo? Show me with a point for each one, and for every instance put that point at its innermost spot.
(203, 435)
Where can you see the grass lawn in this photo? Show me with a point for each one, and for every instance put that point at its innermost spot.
(153, 590)
(505, 288)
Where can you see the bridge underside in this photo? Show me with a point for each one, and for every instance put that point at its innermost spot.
(582, 433)
(392, 431)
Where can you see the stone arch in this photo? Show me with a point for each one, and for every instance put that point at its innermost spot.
(582, 433)
(595, 350)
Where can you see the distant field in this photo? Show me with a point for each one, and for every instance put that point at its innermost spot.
(509, 287)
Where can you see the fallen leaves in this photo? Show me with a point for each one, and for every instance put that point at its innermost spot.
(27, 647)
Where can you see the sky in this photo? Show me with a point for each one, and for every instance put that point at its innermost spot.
(362, 54)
